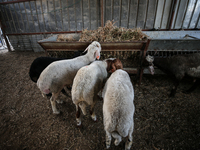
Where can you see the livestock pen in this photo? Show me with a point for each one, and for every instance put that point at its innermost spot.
(161, 122)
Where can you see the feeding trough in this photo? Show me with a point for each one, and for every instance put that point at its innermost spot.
(130, 53)
(168, 43)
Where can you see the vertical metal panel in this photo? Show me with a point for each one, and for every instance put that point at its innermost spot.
(128, 13)
(16, 16)
(51, 15)
(166, 14)
(142, 8)
(151, 11)
(37, 15)
(93, 14)
(108, 10)
(82, 14)
(116, 10)
(33, 15)
(192, 14)
(120, 13)
(185, 10)
(86, 14)
(188, 13)
(14, 22)
(78, 12)
(195, 15)
(133, 13)
(71, 15)
(137, 14)
(180, 14)
(89, 14)
(159, 13)
(66, 25)
(155, 13)
(75, 16)
(7, 22)
(124, 13)
(61, 13)
(57, 18)
(197, 22)
(145, 20)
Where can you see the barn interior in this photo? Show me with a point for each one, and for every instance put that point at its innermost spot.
(31, 29)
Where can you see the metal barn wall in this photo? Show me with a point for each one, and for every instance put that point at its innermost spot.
(26, 22)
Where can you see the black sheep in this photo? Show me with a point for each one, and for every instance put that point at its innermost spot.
(40, 63)
(178, 66)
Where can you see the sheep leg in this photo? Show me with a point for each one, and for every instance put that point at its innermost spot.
(130, 139)
(108, 139)
(117, 137)
(194, 86)
(78, 113)
(53, 102)
(92, 112)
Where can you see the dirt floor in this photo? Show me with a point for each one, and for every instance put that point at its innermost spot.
(27, 121)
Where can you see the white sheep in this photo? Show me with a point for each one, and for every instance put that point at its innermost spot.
(61, 73)
(88, 81)
(118, 108)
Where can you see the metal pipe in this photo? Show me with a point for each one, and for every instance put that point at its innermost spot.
(17, 1)
(35, 33)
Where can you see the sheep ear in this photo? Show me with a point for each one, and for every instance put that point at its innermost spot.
(113, 67)
(86, 49)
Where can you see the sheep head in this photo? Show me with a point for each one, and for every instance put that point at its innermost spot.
(96, 47)
(113, 64)
(150, 60)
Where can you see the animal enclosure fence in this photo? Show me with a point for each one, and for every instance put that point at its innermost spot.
(27, 21)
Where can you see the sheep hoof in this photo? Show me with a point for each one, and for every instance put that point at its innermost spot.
(56, 112)
(117, 142)
(94, 118)
(59, 101)
(79, 125)
(107, 146)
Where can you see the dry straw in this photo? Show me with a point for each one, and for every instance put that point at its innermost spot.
(111, 33)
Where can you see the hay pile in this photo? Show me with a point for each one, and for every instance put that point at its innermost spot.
(68, 37)
(111, 33)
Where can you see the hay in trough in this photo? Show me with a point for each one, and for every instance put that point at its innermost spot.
(111, 33)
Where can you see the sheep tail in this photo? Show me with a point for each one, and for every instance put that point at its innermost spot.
(82, 105)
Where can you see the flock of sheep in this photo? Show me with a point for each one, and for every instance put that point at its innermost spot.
(90, 82)
(89, 78)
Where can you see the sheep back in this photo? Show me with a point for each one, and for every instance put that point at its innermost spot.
(118, 107)
(59, 73)
(88, 82)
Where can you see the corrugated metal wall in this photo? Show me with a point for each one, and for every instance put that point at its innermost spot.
(26, 22)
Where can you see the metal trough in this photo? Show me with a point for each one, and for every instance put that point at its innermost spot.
(169, 43)
(130, 53)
